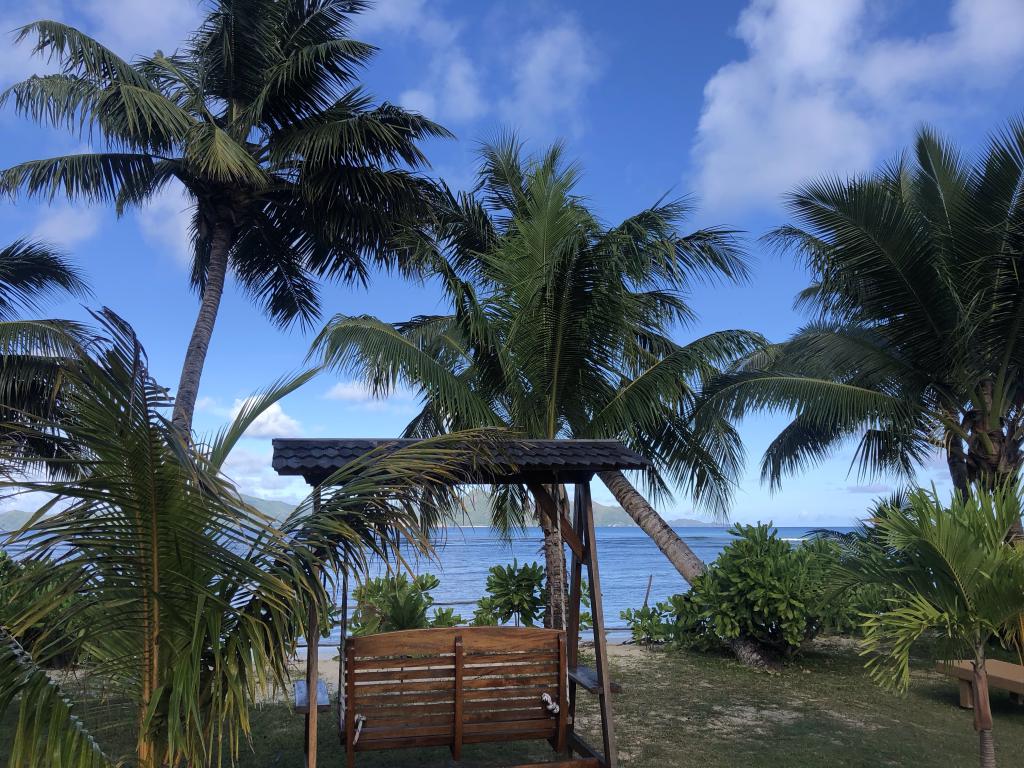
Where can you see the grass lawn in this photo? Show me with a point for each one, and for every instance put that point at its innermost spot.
(681, 709)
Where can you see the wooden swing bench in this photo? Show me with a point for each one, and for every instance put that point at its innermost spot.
(467, 685)
(456, 686)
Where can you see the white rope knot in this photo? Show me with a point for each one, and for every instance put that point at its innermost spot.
(549, 703)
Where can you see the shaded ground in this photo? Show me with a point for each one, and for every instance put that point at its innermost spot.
(680, 709)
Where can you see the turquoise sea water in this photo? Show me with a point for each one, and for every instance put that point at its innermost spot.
(627, 558)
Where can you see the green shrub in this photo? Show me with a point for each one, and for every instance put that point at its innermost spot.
(446, 617)
(391, 603)
(514, 593)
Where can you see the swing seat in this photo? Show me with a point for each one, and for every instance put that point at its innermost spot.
(301, 694)
(454, 686)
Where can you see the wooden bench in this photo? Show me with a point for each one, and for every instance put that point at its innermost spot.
(456, 686)
(1001, 674)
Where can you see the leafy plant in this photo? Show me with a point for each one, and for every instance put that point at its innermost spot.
(446, 617)
(599, 358)
(915, 309)
(291, 173)
(391, 603)
(953, 575)
(515, 593)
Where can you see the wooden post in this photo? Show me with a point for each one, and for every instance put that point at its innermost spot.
(561, 741)
(600, 641)
(312, 667)
(572, 632)
(350, 713)
(457, 729)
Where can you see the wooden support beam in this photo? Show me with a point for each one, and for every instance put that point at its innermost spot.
(459, 695)
(600, 641)
(312, 665)
(547, 505)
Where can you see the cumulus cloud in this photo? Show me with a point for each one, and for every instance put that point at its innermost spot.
(253, 472)
(356, 395)
(822, 90)
(450, 88)
(273, 422)
(67, 225)
(552, 69)
(129, 27)
(166, 220)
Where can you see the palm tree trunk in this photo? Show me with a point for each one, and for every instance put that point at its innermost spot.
(983, 710)
(199, 344)
(554, 563)
(676, 550)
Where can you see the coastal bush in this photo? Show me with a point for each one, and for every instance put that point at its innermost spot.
(514, 593)
(761, 588)
(391, 603)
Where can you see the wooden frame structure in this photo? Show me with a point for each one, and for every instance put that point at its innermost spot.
(542, 466)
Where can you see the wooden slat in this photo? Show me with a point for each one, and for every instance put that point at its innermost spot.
(508, 694)
(405, 742)
(440, 640)
(587, 677)
(535, 656)
(484, 670)
(395, 731)
(390, 686)
(371, 663)
(300, 689)
(399, 697)
(416, 673)
(350, 707)
(490, 716)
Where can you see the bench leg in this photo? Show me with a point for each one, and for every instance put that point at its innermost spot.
(966, 694)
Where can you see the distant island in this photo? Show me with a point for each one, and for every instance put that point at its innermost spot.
(477, 513)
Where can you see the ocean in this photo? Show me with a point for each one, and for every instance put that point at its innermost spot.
(627, 558)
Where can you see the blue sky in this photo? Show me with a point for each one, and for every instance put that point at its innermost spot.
(730, 102)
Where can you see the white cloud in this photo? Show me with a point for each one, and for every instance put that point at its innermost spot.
(551, 71)
(254, 474)
(129, 27)
(450, 88)
(356, 395)
(273, 422)
(165, 222)
(66, 226)
(822, 91)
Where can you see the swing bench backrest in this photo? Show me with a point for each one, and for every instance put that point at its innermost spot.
(454, 686)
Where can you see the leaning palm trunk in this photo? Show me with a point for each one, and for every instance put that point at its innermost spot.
(199, 344)
(675, 549)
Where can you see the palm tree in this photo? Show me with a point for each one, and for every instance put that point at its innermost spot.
(31, 272)
(951, 575)
(917, 304)
(293, 174)
(560, 329)
(183, 602)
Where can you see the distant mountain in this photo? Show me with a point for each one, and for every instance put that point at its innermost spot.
(605, 515)
(278, 510)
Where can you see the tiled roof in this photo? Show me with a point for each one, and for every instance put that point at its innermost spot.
(517, 460)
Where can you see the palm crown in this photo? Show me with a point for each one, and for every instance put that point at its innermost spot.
(560, 325)
(293, 173)
(917, 306)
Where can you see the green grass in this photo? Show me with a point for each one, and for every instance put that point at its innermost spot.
(683, 709)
